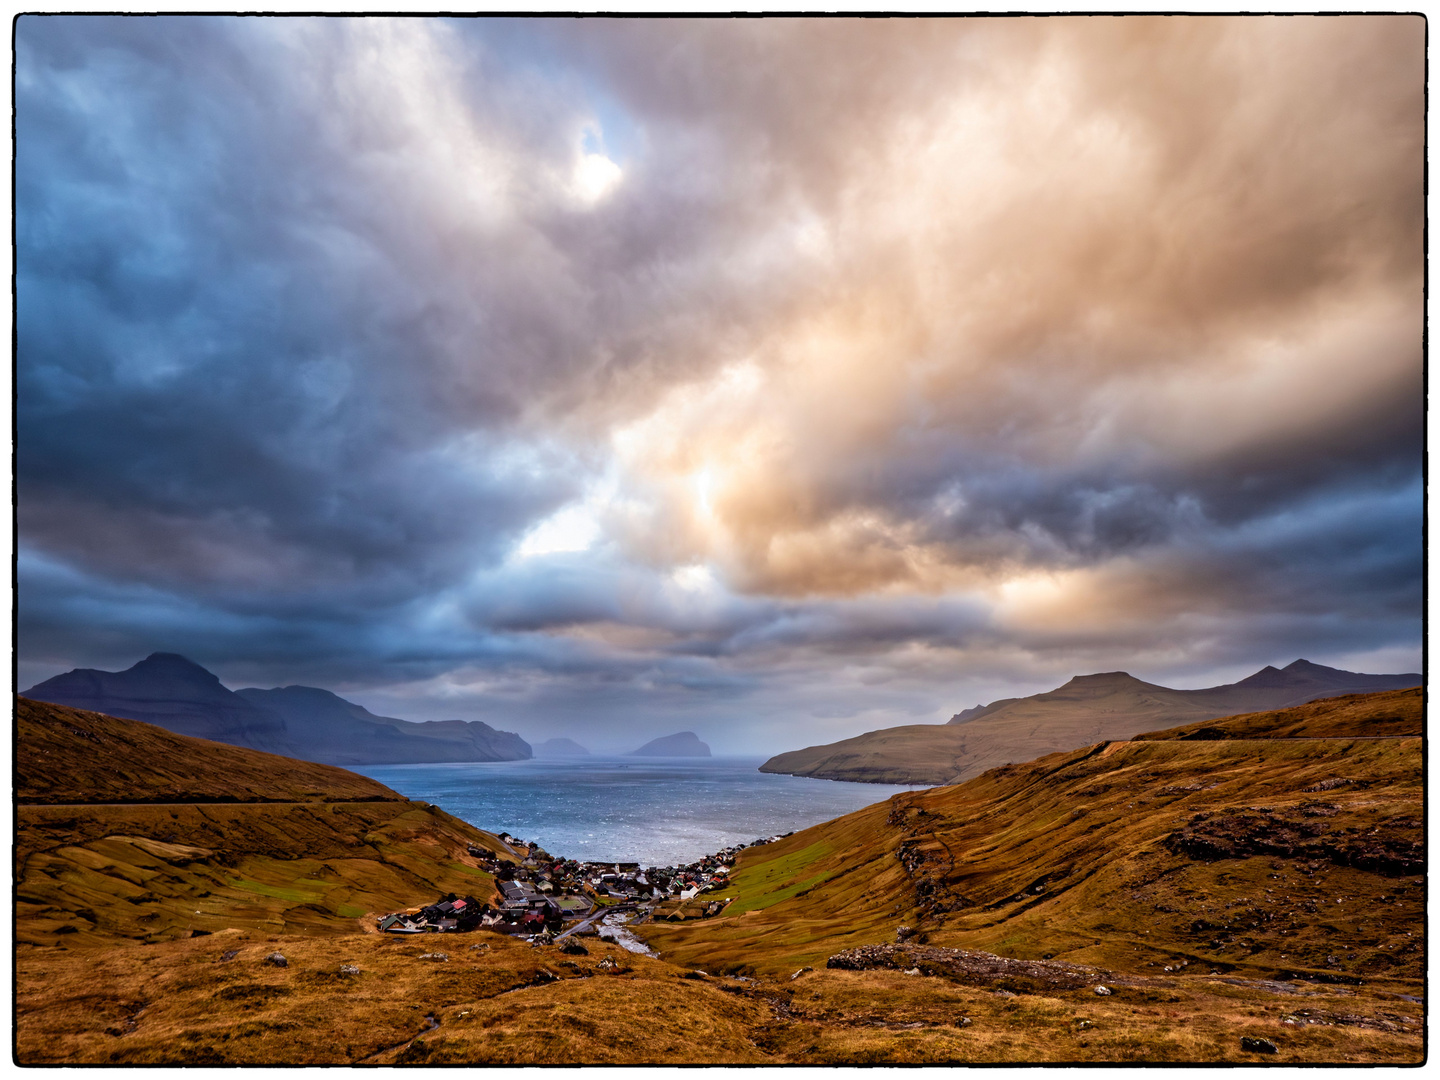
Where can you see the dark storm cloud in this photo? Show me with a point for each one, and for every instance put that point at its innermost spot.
(873, 361)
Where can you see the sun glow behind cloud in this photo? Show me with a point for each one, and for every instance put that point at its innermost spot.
(595, 175)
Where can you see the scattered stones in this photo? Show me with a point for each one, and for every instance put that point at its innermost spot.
(574, 948)
(913, 971)
(970, 967)
(1257, 1046)
(278, 959)
(438, 957)
(1103, 991)
(349, 969)
(802, 971)
(607, 964)
(483, 946)
(904, 933)
(229, 954)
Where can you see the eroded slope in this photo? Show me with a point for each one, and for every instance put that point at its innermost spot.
(1294, 859)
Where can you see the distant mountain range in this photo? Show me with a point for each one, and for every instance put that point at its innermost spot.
(1088, 709)
(298, 721)
(681, 744)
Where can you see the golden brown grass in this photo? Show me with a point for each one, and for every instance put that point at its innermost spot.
(66, 755)
(510, 1003)
(1067, 856)
(1074, 856)
(154, 873)
(1388, 714)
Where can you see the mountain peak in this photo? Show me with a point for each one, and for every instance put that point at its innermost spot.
(1305, 667)
(1102, 682)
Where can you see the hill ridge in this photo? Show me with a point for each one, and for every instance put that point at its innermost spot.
(1112, 705)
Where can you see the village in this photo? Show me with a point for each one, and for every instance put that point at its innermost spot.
(543, 897)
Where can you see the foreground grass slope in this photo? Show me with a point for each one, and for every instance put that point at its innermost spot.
(372, 999)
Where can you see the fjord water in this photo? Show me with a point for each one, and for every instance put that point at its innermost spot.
(656, 811)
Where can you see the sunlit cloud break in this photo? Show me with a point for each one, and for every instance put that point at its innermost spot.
(775, 379)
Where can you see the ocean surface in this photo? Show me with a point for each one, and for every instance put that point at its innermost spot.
(655, 811)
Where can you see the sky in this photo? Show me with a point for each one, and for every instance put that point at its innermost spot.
(772, 379)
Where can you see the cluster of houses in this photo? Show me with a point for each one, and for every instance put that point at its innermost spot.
(540, 893)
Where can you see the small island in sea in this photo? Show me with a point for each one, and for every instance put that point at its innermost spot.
(681, 744)
(560, 748)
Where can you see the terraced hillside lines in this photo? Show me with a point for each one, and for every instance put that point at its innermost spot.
(1264, 858)
(67, 756)
(98, 875)
(292, 847)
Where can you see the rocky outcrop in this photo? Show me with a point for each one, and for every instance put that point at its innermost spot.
(1394, 848)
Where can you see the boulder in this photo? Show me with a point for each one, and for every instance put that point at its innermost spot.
(1258, 1046)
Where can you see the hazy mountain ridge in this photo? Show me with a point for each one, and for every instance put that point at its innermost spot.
(326, 727)
(307, 722)
(1087, 709)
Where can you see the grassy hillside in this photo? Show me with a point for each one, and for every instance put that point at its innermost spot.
(1264, 886)
(127, 832)
(1259, 858)
(1392, 714)
(73, 756)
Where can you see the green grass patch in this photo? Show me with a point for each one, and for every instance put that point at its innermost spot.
(767, 883)
(764, 900)
(278, 892)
